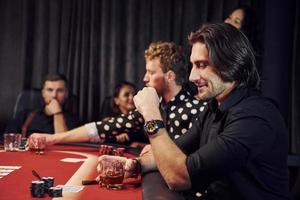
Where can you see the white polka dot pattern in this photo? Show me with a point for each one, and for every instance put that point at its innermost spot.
(106, 127)
(202, 108)
(196, 102)
(172, 115)
(184, 117)
(193, 111)
(180, 110)
(178, 114)
(188, 105)
(128, 125)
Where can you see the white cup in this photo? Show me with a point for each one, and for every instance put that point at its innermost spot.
(12, 141)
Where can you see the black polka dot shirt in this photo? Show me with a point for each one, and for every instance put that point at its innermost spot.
(178, 115)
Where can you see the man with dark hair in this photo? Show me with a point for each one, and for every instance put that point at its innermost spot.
(52, 118)
(166, 71)
(238, 148)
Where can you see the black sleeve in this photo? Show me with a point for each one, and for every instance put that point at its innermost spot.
(189, 142)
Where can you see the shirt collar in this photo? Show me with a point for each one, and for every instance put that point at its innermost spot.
(234, 97)
(174, 99)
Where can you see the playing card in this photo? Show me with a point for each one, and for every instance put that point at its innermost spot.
(71, 188)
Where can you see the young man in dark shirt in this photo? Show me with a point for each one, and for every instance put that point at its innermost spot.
(51, 118)
(238, 148)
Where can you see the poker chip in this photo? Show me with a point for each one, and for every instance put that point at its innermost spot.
(55, 192)
(49, 182)
(22, 146)
(40, 188)
(37, 189)
(119, 151)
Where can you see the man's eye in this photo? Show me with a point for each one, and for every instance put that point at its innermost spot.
(60, 90)
(201, 65)
(237, 22)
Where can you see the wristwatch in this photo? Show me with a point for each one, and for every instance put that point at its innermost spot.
(152, 127)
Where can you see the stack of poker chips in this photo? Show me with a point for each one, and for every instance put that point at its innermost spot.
(45, 185)
(108, 150)
(49, 181)
(37, 189)
(55, 192)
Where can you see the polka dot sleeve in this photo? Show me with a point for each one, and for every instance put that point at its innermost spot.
(130, 123)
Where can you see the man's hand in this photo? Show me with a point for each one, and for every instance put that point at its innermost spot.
(123, 137)
(33, 139)
(147, 103)
(147, 160)
(105, 150)
(146, 149)
(131, 166)
(53, 107)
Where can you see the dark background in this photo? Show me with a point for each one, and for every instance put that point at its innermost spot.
(97, 43)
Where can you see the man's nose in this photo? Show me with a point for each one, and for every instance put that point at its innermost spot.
(145, 79)
(54, 94)
(193, 75)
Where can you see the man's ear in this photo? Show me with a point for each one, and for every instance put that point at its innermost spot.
(67, 94)
(171, 75)
(116, 101)
(43, 93)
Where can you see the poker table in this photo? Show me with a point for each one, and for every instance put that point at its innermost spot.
(69, 164)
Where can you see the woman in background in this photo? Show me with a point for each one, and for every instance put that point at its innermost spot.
(244, 18)
(121, 102)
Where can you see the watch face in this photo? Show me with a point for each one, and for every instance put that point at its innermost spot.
(151, 127)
